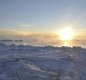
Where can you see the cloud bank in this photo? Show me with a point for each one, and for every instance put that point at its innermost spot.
(41, 39)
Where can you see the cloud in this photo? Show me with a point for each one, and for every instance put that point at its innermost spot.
(41, 39)
(32, 38)
(24, 26)
(79, 42)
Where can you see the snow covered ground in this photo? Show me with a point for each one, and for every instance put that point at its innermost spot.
(20, 62)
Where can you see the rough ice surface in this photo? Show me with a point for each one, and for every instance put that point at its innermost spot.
(20, 62)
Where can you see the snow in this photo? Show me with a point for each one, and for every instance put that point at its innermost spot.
(42, 63)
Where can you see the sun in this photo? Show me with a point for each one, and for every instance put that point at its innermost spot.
(66, 34)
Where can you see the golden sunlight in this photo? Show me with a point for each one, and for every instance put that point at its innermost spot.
(66, 34)
(65, 44)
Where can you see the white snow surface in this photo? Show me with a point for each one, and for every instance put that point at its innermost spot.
(20, 62)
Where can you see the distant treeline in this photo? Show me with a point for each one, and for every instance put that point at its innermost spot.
(10, 40)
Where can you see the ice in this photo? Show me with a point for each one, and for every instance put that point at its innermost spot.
(42, 63)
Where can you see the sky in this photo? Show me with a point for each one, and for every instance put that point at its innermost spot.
(36, 20)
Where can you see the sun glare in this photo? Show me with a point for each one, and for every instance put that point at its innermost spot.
(65, 44)
(66, 34)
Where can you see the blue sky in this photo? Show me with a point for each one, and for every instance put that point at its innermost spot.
(42, 15)
(22, 17)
